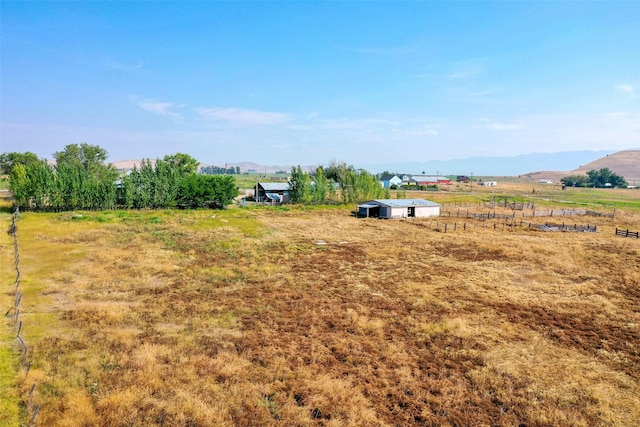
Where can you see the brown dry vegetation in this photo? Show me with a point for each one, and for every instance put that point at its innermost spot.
(316, 318)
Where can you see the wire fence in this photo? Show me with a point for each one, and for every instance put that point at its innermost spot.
(14, 314)
(484, 211)
(507, 223)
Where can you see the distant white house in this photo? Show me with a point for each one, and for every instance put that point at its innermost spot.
(399, 208)
(545, 181)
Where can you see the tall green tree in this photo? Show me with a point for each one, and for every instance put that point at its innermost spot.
(166, 183)
(9, 160)
(595, 178)
(126, 190)
(19, 185)
(357, 185)
(320, 191)
(575, 181)
(32, 185)
(200, 190)
(299, 186)
(184, 164)
(91, 158)
(71, 180)
(84, 180)
(145, 185)
(604, 177)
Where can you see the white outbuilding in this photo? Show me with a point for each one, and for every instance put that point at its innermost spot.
(398, 208)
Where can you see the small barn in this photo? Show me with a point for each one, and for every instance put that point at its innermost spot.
(272, 192)
(426, 180)
(398, 208)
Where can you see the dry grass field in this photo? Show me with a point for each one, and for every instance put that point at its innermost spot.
(312, 317)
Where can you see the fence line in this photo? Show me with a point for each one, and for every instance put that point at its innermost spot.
(454, 209)
(565, 227)
(14, 313)
(509, 223)
(627, 233)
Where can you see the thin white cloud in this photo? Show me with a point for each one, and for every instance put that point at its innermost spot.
(241, 116)
(625, 88)
(160, 108)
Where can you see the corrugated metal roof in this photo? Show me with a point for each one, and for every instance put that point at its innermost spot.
(274, 186)
(402, 203)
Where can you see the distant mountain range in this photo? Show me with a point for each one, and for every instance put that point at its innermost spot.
(496, 166)
(536, 165)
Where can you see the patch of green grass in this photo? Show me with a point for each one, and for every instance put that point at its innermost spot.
(239, 219)
(167, 238)
(223, 320)
(38, 325)
(4, 182)
(595, 197)
(9, 399)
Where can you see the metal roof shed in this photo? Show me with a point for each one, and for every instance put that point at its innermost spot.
(265, 192)
(399, 208)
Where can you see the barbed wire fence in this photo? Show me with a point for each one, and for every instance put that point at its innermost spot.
(14, 314)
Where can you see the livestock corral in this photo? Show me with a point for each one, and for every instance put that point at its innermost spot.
(303, 316)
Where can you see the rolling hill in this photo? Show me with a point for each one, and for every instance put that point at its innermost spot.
(624, 163)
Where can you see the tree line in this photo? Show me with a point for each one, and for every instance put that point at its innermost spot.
(596, 179)
(337, 183)
(80, 179)
(217, 170)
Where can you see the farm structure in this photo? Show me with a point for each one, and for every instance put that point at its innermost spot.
(399, 208)
(428, 180)
(408, 179)
(387, 180)
(272, 192)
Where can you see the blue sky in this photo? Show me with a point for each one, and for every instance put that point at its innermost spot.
(309, 82)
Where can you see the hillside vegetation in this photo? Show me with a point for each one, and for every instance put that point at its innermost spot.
(311, 317)
(624, 163)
